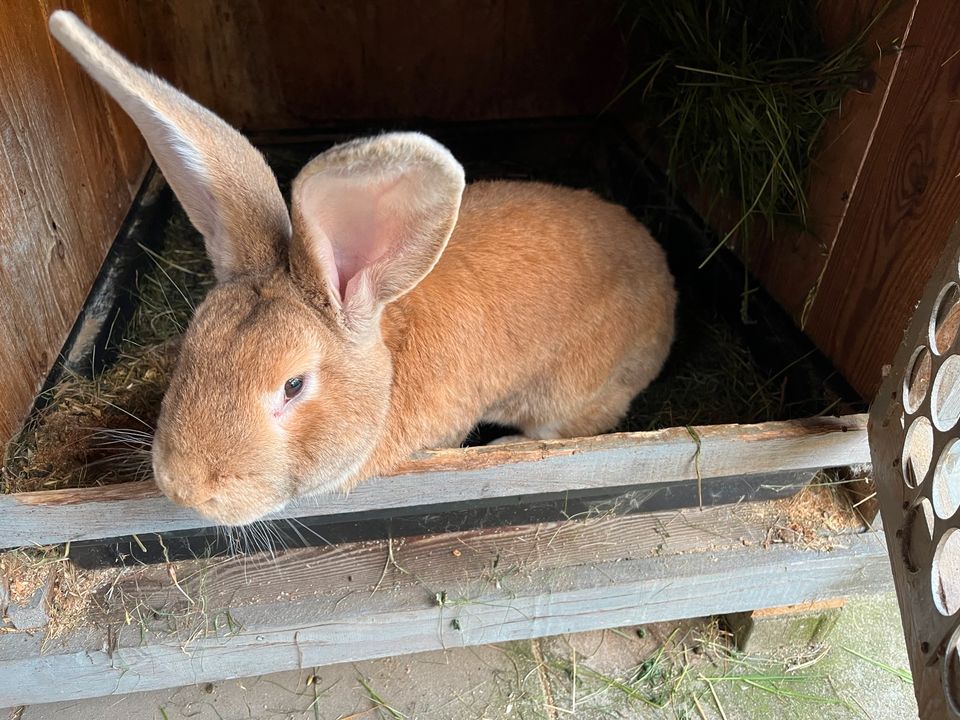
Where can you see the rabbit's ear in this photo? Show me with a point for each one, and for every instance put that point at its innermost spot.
(222, 182)
(371, 218)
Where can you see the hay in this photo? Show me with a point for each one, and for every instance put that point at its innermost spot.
(69, 590)
(96, 431)
(809, 518)
(738, 92)
(711, 379)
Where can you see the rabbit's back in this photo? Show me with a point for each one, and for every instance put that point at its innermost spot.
(549, 310)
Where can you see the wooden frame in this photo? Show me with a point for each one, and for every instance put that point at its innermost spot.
(441, 477)
(205, 620)
(599, 478)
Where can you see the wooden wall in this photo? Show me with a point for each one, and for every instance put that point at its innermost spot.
(885, 192)
(73, 160)
(268, 65)
(71, 165)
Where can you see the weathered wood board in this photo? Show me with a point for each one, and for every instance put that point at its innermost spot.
(72, 164)
(902, 208)
(472, 474)
(457, 516)
(201, 621)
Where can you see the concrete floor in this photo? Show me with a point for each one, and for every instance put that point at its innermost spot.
(678, 670)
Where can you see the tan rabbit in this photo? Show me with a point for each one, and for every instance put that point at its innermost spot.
(395, 312)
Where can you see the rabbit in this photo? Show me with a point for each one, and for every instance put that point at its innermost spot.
(391, 310)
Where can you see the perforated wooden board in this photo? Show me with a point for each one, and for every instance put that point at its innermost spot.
(914, 432)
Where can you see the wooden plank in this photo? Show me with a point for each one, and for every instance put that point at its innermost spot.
(465, 474)
(166, 626)
(68, 179)
(461, 516)
(905, 203)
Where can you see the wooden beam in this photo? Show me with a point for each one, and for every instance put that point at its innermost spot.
(255, 62)
(201, 621)
(624, 460)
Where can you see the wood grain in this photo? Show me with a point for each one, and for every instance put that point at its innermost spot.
(626, 460)
(905, 204)
(349, 602)
(70, 169)
(829, 262)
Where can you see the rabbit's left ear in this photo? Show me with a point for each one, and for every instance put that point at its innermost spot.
(221, 180)
(371, 218)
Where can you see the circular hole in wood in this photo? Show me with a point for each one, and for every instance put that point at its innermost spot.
(945, 394)
(946, 319)
(951, 673)
(945, 573)
(917, 535)
(917, 451)
(946, 480)
(917, 379)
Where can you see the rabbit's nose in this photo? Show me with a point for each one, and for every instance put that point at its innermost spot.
(189, 492)
(184, 488)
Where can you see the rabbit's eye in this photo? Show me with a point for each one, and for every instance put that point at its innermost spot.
(292, 387)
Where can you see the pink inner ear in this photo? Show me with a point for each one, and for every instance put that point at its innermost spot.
(353, 224)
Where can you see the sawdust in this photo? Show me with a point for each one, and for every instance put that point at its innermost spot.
(74, 591)
(809, 518)
(24, 573)
(70, 590)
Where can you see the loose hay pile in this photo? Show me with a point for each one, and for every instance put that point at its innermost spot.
(95, 431)
(68, 591)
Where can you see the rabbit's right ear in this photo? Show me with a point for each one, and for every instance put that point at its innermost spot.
(222, 181)
(370, 220)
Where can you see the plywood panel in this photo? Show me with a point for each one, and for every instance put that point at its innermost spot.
(69, 170)
(902, 208)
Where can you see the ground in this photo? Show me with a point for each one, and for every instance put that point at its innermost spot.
(676, 671)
